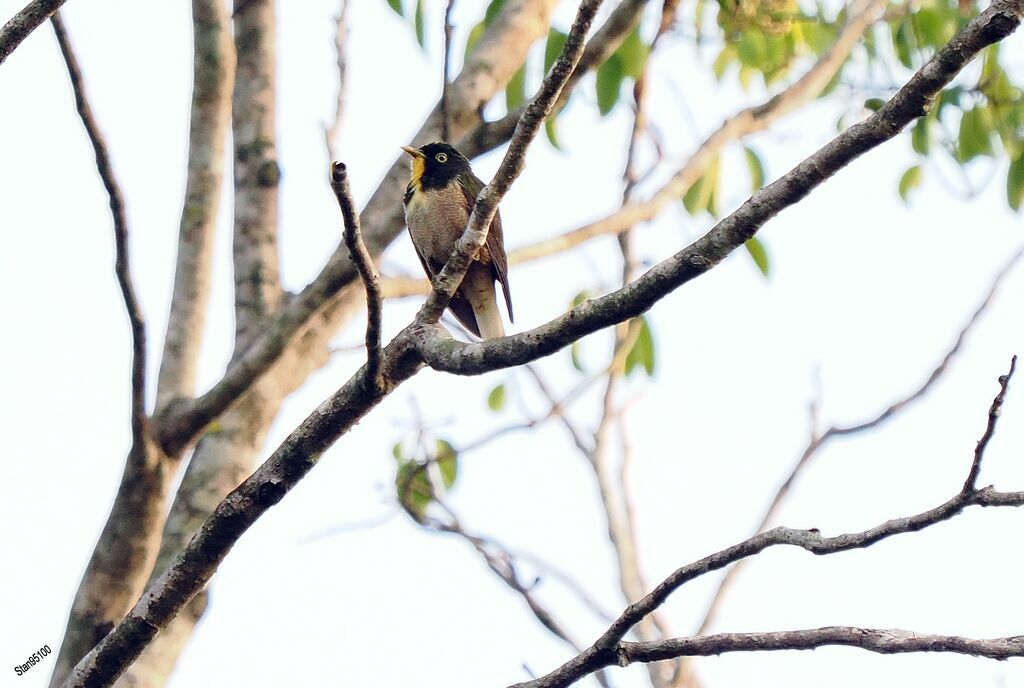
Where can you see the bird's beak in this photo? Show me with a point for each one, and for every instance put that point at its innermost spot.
(414, 152)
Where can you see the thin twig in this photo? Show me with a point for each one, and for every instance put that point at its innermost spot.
(340, 45)
(122, 266)
(446, 71)
(990, 429)
(819, 439)
(367, 271)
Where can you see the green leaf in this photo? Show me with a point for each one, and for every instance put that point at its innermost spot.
(874, 104)
(975, 134)
(552, 132)
(421, 32)
(1015, 183)
(553, 48)
(747, 75)
(447, 460)
(642, 353)
(701, 196)
(413, 486)
(752, 49)
(756, 167)
(515, 92)
(722, 62)
(901, 42)
(759, 253)
(609, 82)
(492, 11)
(911, 179)
(575, 354)
(496, 398)
(633, 54)
(474, 37)
(396, 451)
(396, 5)
(920, 139)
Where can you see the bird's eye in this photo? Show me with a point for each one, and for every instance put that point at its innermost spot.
(441, 157)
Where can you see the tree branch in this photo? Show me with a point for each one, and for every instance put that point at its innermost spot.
(883, 641)
(744, 123)
(445, 71)
(212, 77)
(511, 166)
(609, 648)
(340, 46)
(910, 102)
(258, 293)
(122, 268)
(25, 22)
(993, 416)
(819, 439)
(367, 272)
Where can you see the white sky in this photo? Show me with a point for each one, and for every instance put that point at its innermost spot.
(865, 289)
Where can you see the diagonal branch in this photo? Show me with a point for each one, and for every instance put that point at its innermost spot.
(25, 22)
(742, 124)
(367, 272)
(117, 211)
(820, 439)
(910, 102)
(990, 429)
(511, 166)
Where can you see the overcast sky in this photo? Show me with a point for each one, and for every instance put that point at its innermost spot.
(334, 586)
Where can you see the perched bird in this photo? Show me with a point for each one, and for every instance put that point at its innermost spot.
(438, 201)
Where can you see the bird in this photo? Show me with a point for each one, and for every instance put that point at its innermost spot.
(438, 201)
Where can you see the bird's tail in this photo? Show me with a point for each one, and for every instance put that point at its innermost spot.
(478, 288)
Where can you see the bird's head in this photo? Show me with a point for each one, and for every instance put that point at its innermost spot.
(436, 165)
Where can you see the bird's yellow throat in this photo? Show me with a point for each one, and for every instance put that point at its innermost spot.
(418, 165)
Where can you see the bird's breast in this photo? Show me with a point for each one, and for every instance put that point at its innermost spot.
(436, 219)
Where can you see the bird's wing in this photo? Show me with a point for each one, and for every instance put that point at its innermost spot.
(458, 305)
(471, 186)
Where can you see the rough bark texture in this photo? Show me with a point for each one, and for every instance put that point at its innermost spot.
(25, 22)
(257, 174)
(212, 76)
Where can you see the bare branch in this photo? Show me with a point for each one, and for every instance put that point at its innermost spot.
(212, 77)
(511, 166)
(883, 641)
(819, 439)
(258, 291)
(445, 70)
(993, 416)
(364, 263)
(909, 103)
(122, 268)
(340, 41)
(25, 22)
(605, 651)
(609, 648)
